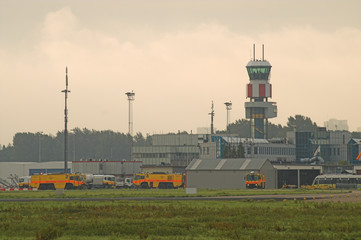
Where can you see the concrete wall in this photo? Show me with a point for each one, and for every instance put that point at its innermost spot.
(22, 168)
(151, 169)
(122, 168)
(216, 179)
(271, 175)
(175, 139)
(228, 179)
(86, 167)
(208, 150)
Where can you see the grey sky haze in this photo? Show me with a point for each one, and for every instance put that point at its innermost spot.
(177, 56)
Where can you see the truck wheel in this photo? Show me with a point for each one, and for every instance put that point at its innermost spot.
(144, 185)
(83, 187)
(69, 186)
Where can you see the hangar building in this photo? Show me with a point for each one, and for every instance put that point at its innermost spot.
(227, 173)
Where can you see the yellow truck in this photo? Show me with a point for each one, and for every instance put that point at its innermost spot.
(24, 182)
(255, 180)
(58, 181)
(158, 180)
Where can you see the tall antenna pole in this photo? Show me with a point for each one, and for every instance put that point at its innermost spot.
(131, 97)
(254, 52)
(212, 115)
(228, 107)
(66, 91)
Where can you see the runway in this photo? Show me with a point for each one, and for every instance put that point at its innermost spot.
(342, 197)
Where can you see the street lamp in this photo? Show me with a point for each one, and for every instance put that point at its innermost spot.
(131, 97)
(228, 107)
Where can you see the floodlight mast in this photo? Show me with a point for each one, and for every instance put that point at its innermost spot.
(228, 107)
(212, 115)
(66, 91)
(131, 98)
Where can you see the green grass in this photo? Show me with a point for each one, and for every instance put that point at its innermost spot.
(118, 193)
(180, 220)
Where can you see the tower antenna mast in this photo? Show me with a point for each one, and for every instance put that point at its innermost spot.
(212, 115)
(66, 91)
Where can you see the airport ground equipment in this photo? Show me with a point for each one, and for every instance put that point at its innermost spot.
(158, 180)
(255, 180)
(123, 183)
(99, 181)
(58, 181)
(24, 182)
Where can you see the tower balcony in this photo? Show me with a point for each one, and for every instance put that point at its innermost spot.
(270, 109)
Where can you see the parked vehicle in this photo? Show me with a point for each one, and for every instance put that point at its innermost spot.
(58, 181)
(24, 182)
(100, 181)
(123, 183)
(255, 180)
(338, 181)
(158, 180)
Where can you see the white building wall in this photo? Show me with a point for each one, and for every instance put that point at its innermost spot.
(126, 168)
(22, 168)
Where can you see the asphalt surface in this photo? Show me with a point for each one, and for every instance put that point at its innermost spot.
(343, 196)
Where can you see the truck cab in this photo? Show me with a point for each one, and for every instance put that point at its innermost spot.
(24, 182)
(255, 180)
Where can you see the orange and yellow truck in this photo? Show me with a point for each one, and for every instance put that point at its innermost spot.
(158, 180)
(58, 181)
(255, 180)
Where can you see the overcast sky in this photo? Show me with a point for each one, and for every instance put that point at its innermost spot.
(177, 56)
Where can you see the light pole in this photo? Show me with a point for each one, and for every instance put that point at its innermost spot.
(228, 107)
(66, 91)
(131, 98)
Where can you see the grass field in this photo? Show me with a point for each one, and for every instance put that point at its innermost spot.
(180, 220)
(176, 219)
(118, 193)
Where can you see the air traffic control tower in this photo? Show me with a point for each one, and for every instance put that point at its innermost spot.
(259, 109)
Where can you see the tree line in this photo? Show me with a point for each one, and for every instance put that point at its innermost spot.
(92, 144)
(82, 144)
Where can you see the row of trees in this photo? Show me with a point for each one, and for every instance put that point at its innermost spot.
(86, 144)
(82, 143)
(299, 123)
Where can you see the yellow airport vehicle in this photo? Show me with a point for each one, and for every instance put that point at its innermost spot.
(58, 181)
(24, 182)
(158, 180)
(255, 180)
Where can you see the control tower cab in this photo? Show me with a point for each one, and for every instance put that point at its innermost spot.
(259, 109)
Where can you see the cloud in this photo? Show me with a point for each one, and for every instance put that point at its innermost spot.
(175, 76)
(314, 72)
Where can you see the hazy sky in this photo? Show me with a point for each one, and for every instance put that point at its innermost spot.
(177, 56)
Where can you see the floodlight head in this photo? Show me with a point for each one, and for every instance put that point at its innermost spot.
(131, 95)
(228, 105)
